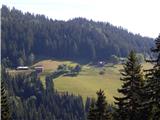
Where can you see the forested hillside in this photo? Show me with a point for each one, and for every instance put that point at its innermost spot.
(28, 100)
(25, 37)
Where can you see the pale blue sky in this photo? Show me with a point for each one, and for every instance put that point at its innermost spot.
(138, 16)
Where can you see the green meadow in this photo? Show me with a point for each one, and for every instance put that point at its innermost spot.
(89, 79)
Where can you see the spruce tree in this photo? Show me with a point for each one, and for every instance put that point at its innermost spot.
(102, 112)
(153, 84)
(99, 110)
(5, 114)
(130, 103)
(92, 112)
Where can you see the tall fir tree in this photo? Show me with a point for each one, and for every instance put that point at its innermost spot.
(5, 114)
(101, 106)
(153, 84)
(99, 110)
(5, 111)
(130, 103)
(92, 112)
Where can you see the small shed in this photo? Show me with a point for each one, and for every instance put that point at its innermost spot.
(39, 69)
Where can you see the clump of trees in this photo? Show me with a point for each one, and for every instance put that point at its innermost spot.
(114, 59)
(65, 70)
(68, 70)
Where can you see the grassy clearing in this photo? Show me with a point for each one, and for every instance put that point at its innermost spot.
(49, 64)
(88, 81)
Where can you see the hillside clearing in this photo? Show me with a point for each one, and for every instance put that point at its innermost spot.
(88, 81)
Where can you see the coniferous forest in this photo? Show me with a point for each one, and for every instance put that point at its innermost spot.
(27, 37)
(28, 100)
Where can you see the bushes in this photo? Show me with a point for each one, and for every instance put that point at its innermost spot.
(68, 70)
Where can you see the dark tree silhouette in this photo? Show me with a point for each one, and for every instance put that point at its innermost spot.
(5, 113)
(99, 110)
(129, 105)
(153, 84)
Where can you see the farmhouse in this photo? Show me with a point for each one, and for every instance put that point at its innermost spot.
(22, 68)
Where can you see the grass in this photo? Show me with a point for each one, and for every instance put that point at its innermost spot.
(49, 65)
(88, 81)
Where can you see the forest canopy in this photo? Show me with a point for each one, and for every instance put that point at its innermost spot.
(25, 37)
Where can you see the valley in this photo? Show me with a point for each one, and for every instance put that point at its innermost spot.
(77, 69)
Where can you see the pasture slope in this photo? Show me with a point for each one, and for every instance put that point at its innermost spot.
(88, 81)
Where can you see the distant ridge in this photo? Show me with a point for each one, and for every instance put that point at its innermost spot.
(26, 37)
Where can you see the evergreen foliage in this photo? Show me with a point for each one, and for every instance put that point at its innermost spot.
(27, 37)
(92, 111)
(130, 104)
(31, 101)
(5, 113)
(99, 110)
(153, 84)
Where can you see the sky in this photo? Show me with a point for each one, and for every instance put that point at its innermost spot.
(138, 16)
